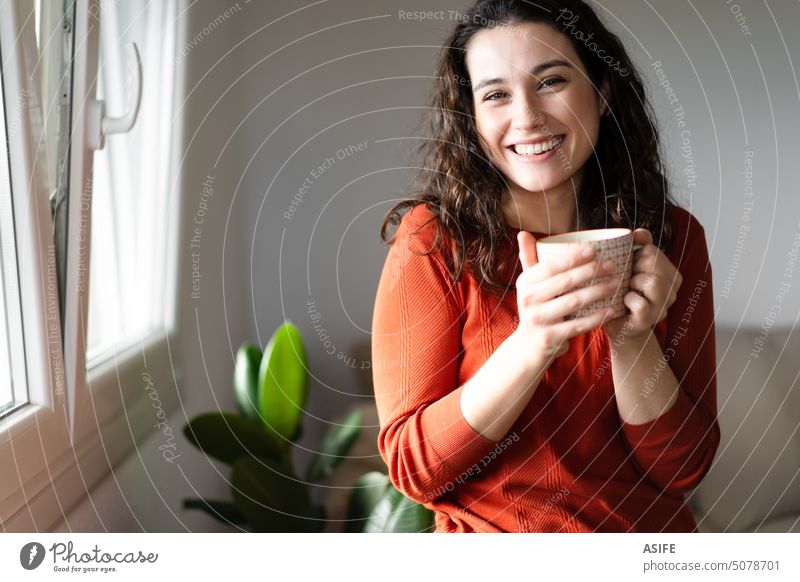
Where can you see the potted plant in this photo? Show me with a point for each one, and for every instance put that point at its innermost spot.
(271, 389)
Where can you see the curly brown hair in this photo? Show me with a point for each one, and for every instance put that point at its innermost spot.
(624, 183)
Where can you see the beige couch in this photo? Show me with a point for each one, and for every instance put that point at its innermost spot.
(754, 483)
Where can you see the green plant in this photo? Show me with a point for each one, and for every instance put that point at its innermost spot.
(377, 507)
(271, 389)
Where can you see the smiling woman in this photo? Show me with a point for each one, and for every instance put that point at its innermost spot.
(534, 103)
(544, 138)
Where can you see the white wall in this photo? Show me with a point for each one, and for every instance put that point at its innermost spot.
(740, 94)
(297, 88)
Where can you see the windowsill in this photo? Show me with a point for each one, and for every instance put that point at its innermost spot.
(108, 427)
(9, 410)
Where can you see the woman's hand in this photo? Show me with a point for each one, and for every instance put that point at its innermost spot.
(542, 311)
(654, 288)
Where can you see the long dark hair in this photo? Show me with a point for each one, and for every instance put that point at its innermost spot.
(623, 183)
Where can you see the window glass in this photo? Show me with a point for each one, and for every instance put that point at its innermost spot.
(13, 388)
(131, 178)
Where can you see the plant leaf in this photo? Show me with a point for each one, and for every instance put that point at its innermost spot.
(335, 445)
(223, 511)
(271, 497)
(227, 437)
(245, 380)
(396, 513)
(366, 493)
(283, 382)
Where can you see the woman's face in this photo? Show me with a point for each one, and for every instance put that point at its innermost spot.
(535, 109)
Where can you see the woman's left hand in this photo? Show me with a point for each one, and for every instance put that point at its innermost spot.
(653, 289)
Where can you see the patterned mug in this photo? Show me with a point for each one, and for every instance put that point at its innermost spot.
(609, 243)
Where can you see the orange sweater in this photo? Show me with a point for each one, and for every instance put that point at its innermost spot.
(569, 463)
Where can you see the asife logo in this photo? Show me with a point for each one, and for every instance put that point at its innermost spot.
(31, 555)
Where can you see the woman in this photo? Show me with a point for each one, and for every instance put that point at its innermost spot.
(496, 411)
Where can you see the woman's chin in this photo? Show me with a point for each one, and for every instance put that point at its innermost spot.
(535, 186)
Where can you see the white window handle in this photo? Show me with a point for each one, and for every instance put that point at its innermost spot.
(99, 124)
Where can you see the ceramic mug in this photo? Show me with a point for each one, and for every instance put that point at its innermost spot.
(609, 243)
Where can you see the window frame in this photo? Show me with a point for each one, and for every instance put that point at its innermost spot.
(12, 342)
(73, 434)
(37, 433)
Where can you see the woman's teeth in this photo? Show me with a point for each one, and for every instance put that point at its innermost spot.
(536, 149)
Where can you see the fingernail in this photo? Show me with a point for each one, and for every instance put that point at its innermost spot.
(587, 252)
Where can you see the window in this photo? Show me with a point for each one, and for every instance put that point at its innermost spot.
(13, 389)
(87, 243)
(120, 235)
(130, 179)
(34, 436)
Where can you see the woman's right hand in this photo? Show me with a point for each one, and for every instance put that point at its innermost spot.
(544, 297)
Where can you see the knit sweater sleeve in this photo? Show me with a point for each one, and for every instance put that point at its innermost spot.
(675, 450)
(416, 340)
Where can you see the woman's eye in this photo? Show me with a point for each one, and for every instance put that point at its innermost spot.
(494, 95)
(552, 81)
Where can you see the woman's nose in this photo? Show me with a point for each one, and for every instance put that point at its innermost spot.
(526, 114)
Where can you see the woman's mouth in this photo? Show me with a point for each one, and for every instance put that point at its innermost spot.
(537, 152)
(527, 149)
